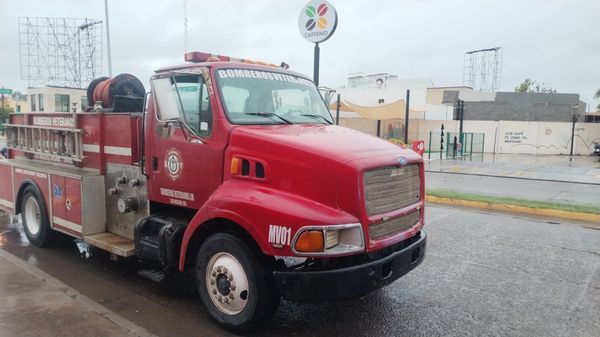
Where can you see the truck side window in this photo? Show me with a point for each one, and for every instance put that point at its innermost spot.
(185, 97)
(195, 106)
(166, 98)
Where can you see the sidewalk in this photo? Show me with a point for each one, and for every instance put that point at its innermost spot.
(582, 169)
(33, 303)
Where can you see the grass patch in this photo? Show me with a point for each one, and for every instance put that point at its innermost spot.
(514, 201)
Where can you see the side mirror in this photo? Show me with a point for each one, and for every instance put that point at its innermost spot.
(166, 129)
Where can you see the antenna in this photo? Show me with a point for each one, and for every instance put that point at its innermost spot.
(185, 27)
(60, 51)
(482, 69)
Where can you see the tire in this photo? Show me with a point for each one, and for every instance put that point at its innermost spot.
(235, 284)
(35, 217)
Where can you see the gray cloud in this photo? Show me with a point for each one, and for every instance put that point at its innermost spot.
(553, 41)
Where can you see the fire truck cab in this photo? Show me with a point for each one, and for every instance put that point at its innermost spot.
(227, 168)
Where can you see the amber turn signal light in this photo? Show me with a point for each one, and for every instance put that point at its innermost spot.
(235, 164)
(310, 241)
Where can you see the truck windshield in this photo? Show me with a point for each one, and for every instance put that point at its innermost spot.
(265, 97)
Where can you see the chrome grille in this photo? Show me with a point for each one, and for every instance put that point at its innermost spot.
(393, 226)
(391, 188)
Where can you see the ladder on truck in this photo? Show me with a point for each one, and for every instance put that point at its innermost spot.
(51, 143)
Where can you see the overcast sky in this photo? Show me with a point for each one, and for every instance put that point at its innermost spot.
(552, 41)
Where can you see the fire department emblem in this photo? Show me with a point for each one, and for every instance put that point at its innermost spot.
(173, 164)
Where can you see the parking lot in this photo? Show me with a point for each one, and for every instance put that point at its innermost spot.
(485, 274)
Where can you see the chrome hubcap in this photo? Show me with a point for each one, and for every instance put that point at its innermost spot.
(227, 283)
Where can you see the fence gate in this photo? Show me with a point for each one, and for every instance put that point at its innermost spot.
(467, 145)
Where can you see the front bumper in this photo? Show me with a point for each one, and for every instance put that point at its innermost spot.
(350, 282)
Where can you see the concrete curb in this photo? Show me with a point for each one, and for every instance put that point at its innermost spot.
(77, 296)
(554, 213)
(513, 177)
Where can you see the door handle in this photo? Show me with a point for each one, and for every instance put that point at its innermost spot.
(154, 163)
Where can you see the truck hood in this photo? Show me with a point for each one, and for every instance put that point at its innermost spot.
(330, 142)
(323, 163)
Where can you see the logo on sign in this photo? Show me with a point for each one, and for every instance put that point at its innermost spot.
(316, 17)
(173, 164)
(317, 21)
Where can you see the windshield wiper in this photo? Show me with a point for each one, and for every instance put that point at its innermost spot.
(269, 114)
(317, 116)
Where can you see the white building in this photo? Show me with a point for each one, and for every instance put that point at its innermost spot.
(383, 88)
(57, 99)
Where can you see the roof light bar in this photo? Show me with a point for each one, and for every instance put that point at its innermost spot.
(197, 57)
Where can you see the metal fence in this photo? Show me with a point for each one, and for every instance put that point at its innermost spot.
(455, 145)
(464, 145)
(434, 148)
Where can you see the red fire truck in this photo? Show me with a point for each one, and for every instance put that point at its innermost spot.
(230, 169)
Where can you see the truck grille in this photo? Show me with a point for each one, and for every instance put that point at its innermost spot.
(393, 226)
(391, 188)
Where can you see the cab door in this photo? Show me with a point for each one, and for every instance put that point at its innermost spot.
(183, 157)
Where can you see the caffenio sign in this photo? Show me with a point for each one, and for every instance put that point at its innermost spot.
(317, 21)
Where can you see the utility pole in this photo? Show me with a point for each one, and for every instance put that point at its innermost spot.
(572, 134)
(459, 114)
(108, 38)
(406, 116)
(461, 111)
(337, 111)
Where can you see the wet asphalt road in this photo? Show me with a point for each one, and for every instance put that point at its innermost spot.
(484, 274)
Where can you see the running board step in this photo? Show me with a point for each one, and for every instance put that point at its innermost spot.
(112, 243)
(154, 275)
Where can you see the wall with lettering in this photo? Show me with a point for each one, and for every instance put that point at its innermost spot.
(517, 137)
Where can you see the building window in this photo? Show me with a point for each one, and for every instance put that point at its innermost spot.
(84, 103)
(61, 103)
(41, 101)
(33, 98)
(18, 108)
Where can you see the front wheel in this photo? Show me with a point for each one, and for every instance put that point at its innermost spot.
(235, 283)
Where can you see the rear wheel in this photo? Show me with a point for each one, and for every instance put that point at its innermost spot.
(235, 284)
(35, 218)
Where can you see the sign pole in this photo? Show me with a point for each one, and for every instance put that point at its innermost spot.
(316, 65)
(317, 22)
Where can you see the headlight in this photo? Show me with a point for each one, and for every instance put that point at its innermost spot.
(328, 240)
(332, 238)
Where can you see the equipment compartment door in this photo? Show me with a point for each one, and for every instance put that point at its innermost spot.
(6, 183)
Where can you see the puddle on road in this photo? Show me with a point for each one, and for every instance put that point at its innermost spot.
(13, 235)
